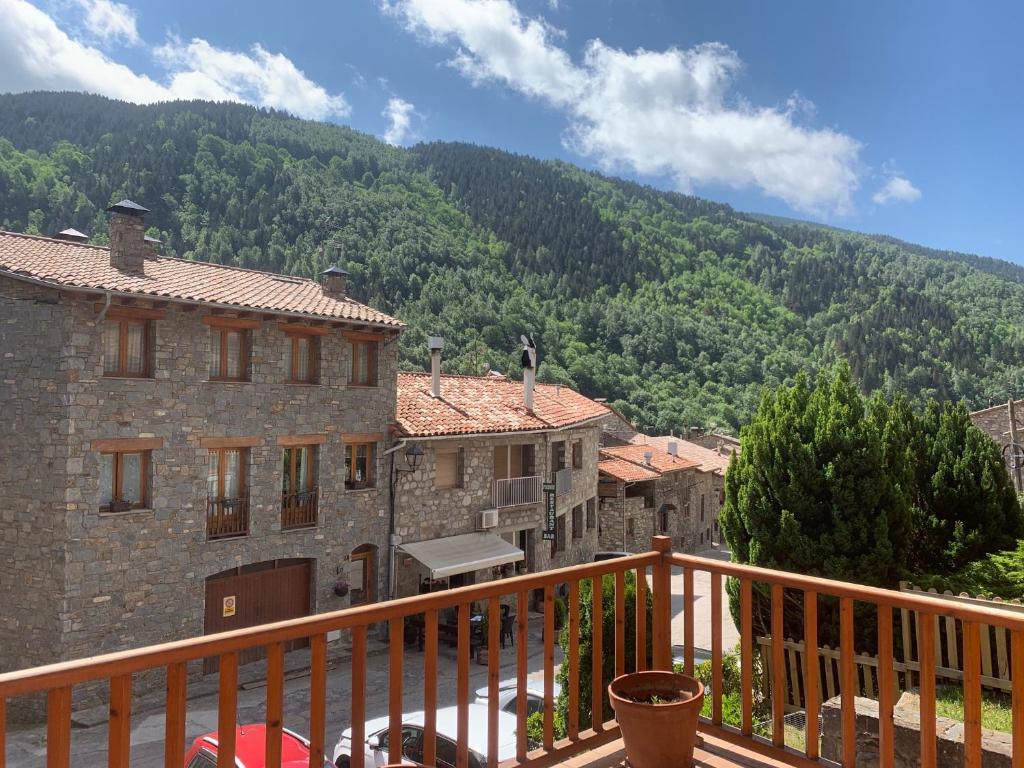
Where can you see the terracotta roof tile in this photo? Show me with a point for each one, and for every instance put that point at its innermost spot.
(661, 461)
(484, 404)
(706, 459)
(626, 471)
(76, 265)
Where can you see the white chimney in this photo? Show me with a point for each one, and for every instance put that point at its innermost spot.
(529, 361)
(648, 456)
(435, 344)
(673, 449)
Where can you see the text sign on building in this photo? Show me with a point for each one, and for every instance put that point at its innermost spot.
(229, 606)
(551, 517)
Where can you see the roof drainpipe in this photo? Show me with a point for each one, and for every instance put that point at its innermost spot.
(529, 361)
(106, 306)
(435, 344)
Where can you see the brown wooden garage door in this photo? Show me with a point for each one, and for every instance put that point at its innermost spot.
(257, 594)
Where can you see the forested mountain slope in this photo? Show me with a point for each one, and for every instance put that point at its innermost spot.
(676, 308)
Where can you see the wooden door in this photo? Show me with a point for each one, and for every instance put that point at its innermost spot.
(257, 594)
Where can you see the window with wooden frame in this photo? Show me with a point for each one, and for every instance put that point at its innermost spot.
(591, 513)
(558, 543)
(362, 575)
(365, 349)
(449, 468)
(127, 343)
(302, 350)
(230, 342)
(577, 454)
(124, 480)
(227, 474)
(298, 470)
(577, 521)
(360, 465)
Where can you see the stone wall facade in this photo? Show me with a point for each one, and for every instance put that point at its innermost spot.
(425, 512)
(86, 582)
(995, 422)
(631, 517)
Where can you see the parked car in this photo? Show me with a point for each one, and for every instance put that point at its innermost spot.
(250, 746)
(376, 747)
(508, 696)
(599, 556)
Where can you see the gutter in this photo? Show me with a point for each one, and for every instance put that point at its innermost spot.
(399, 327)
(106, 306)
(510, 433)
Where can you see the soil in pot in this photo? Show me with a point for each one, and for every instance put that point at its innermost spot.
(657, 714)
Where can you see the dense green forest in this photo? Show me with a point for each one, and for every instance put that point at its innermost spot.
(677, 309)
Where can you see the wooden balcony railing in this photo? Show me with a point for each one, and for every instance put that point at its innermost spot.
(654, 572)
(299, 510)
(513, 491)
(227, 517)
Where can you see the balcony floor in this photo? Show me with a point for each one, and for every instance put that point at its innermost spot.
(720, 750)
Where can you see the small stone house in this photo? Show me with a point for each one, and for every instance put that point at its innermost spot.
(644, 492)
(1004, 423)
(180, 436)
(477, 506)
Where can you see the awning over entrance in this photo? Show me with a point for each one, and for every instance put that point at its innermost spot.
(460, 554)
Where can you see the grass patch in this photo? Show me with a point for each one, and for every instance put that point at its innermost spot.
(996, 713)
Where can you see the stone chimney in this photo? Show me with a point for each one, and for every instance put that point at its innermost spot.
(529, 361)
(128, 247)
(435, 344)
(335, 282)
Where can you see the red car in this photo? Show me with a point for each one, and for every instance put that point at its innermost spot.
(250, 749)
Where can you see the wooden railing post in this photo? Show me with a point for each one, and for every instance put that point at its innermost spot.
(662, 630)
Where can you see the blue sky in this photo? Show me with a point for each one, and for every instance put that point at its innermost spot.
(900, 118)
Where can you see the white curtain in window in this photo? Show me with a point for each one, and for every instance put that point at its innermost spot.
(302, 475)
(136, 333)
(106, 478)
(111, 346)
(211, 476)
(234, 355)
(302, 369)
(232, 473)
(131, 482)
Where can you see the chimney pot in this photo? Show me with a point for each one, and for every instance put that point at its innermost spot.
(128, 246)
(335, 282)
(648, 457)
(435, 344)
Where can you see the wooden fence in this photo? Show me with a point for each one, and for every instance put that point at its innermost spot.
(948, 632)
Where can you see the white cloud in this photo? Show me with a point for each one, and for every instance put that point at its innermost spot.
(35, 54)
(109, 21)
(668, 112)
(199, 70)
(399, 114)
(897, 189)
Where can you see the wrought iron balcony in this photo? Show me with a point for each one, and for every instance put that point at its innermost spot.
(514, 491)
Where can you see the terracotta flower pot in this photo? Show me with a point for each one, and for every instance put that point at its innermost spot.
(659, 735)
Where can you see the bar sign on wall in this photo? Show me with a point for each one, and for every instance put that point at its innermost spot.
(551, 518)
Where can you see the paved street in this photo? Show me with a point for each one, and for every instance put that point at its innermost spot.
(26, 746)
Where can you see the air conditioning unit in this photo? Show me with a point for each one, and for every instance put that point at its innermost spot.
(488, 519)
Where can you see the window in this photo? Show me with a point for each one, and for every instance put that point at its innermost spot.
(630, 527)
(298, 487)
(449, 467)
(124, 480)
(227, 498)
(360, 463)
(702, 507)
(304, 356)
(126, 347)
(558, 456)
(591, 513)
(229, 354)
(577, 454)
(364, 362)
(577, 521)
(203, 759)
(361, 575)
(663, 520)
(558, 543)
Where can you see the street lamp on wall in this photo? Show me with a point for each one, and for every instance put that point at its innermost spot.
(413, 457)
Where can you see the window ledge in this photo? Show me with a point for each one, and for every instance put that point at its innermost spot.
(223, 539)
(303, 383)
(139, 511)
(227, 381)
(294, 528)
(363, 386)
(360, 490)
(117, 377)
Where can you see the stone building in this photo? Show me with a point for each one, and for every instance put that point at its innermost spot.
(1005, 424)
(476, 508)
(179, 436)
(644, 492)
(707, 490)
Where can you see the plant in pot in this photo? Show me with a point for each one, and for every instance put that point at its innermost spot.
(657, 714)
(341, 587)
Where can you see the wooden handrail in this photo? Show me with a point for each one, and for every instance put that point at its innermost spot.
(136, 660)
(924, 602)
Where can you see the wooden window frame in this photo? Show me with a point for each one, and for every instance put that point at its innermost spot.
(244, 329)
(372, 342)
(312, 335)
(351, 448)
(577, 454)
(314, 460)
(577, 522)
(460, 468)
(243, 470)
(591, 513)
(369, 561)
(118, 481)
(122, 320)
(558, 456)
